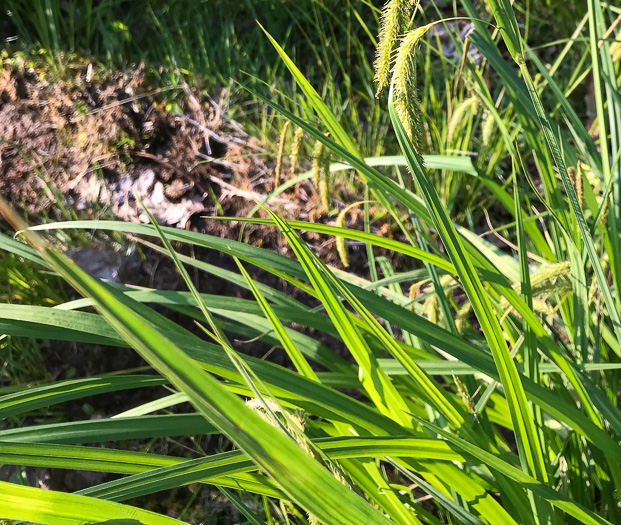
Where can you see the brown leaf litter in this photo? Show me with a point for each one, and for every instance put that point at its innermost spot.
(94, 140)
(101, 143)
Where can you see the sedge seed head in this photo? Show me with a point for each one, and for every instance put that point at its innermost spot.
(462, 316)
(488, 129)
(463, 393)
(393, 23)
(295, 150)
(464, 107)
(405, 92)
(341, 242)
(317, 154)
(546, 282)
(281, 151)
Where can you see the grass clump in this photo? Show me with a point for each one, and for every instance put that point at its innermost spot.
(488, 394)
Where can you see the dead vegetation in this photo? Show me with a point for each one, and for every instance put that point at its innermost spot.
(97, 140)
(94, 139)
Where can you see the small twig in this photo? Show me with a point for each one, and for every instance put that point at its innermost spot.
(269, 352)
(219, 138)
(131, 99)
(191, 178)
(250, 195)
(609, 32)
(224, 163)
(509, 243)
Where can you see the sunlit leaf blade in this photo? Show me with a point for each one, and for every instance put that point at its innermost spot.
(110, 429)
(23, 503)
(293, 352)
(49, 395)
(297, 473)
(503, 12)
(526, 433)
(495, 463)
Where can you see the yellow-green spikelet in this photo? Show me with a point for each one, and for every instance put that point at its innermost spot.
(488, 129)
(295, 150)
(341, 242)
(405, 92)
(540, 282)
(393, 23)
(469, 104)
(281, 151)
(317, 159)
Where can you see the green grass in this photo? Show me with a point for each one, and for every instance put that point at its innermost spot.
(479, 386)
(333, 40)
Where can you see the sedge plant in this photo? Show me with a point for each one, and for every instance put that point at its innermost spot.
(480, 386)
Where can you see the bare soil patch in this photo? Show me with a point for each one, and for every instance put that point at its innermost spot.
(95, 139)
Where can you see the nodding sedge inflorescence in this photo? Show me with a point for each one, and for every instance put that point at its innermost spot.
(317, 162)
(395, 64)
(295, 150)
(322, 179)
(468, 105)
(394, 22)
(489, 125)
(552, 279)
(341, 242)
(281, 151)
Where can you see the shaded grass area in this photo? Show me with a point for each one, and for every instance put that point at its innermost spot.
(212, 38)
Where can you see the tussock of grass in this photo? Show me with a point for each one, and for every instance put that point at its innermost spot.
(487, 394)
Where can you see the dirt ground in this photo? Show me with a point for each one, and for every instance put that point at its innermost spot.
(93, 139)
